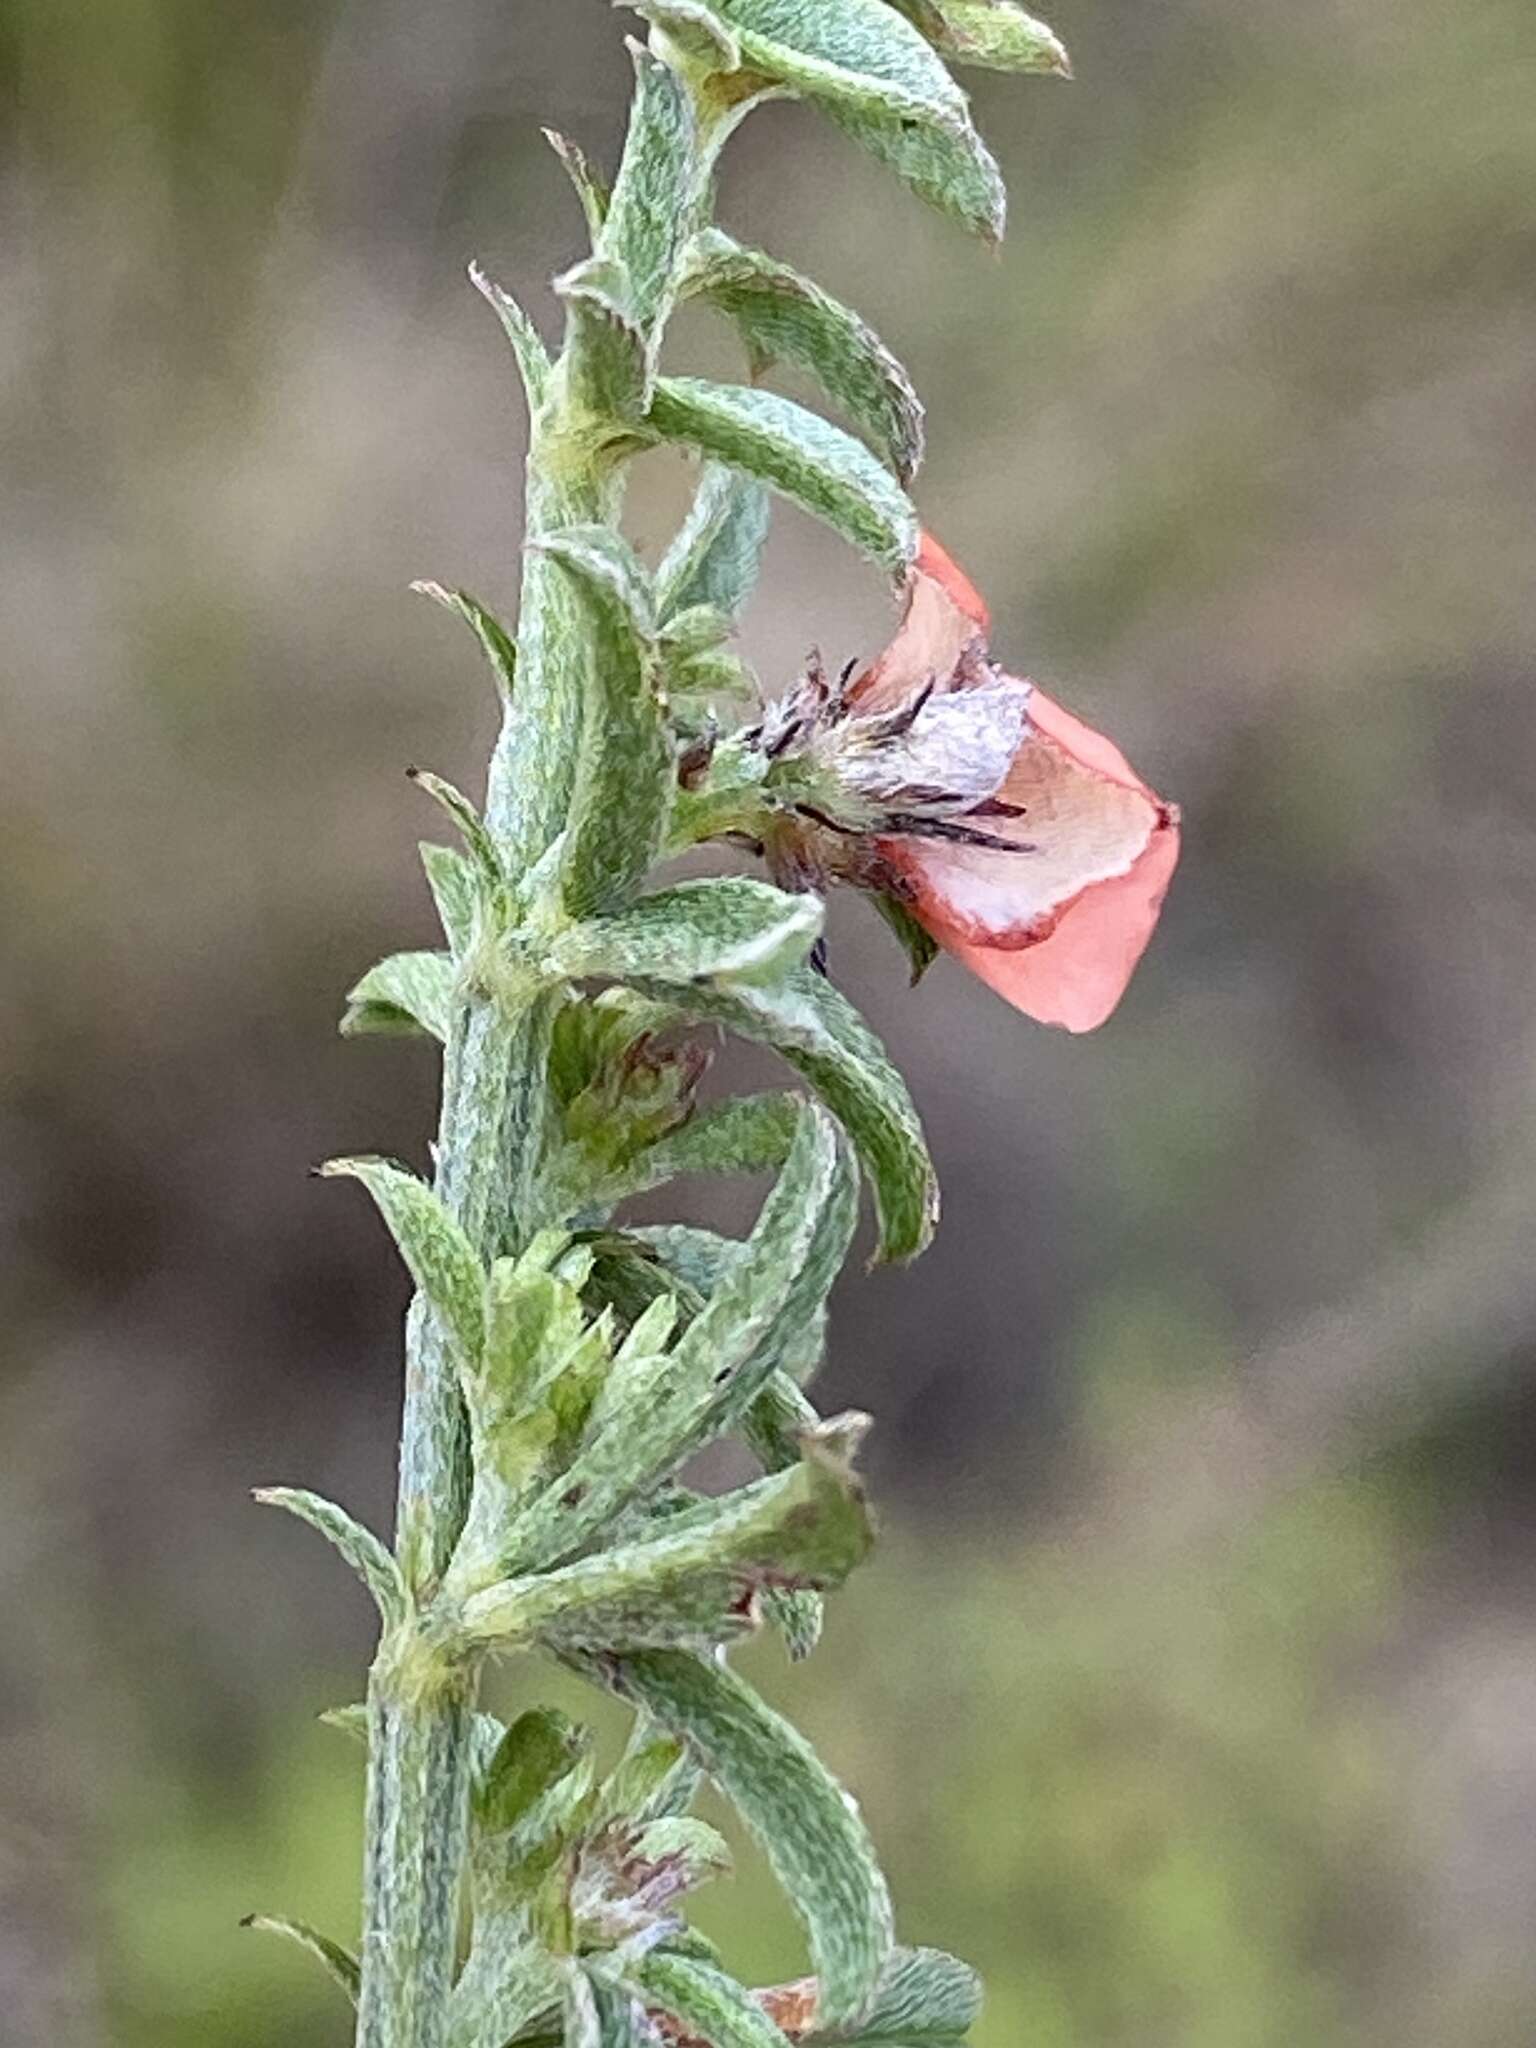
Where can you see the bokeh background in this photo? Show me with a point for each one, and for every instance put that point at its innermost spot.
(1193, 1691)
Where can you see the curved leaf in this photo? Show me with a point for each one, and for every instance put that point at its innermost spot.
(783, 316)
(718, 551)
(685, 1585)
(339, 1963)
(869, 68)
(710, 2005)
(813, 463)
(433, 1244)
(807, 1825)
(721, 1359)
(993, 35)
(496, 642)
(624, 772)
(821, 1034)
(527, 344)
(408, 992)
(653, 195)
(724, 928)
(362, 1550)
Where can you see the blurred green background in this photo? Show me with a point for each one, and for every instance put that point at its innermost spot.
(1193, 1691)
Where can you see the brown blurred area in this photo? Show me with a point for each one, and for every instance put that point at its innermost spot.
(1193, 1692)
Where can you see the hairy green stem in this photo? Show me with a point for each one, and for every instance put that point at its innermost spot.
(488, 1156)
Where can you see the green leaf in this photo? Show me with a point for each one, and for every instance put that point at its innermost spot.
(783, 316)
(821, 1034)
(477, 840)
(527, 345)
(625, 773)
(917, 942)
(694, 28)
(407, 993)
(654, 195)
(719, 1362)
(725, 928)
(531, 1758)
(879, 79)
(924, 1996)
(718, 551)
(455, 893)
(351, 1721)
(607, 362)
(951, 168)
(805, 457)
(807, 1825)
(440, 1257)
(698, 630)
(496, 642)
(359, 1546)
(339, 1963)
(710, 2005)
(591, 188)
(994, 35)
(644, 1785)
(747, 1134)
(689, 1585)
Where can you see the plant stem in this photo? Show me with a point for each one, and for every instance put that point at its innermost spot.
(488, 1155)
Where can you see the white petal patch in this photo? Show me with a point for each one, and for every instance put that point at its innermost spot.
(1082, 828)
(956, 752)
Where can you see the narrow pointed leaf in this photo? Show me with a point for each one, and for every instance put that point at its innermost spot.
(339, 1963)
(440, 1257)
(590, 187)
(994, 35)
(821, 1034)
(408, 992)
(708, 2005)
(625, 774)
(654, 194)
(607, 361)
(718, 551)
(496, 642)
(722, 929)
(362, 1550)
(813, 463)
(527, 345)
(722, 1358)
(919, 945)
(477, 840)
(689, 1585)
(807, 1825)
(784, 317)
(455, 893)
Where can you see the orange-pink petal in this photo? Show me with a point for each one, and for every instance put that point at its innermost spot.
(1075, 976)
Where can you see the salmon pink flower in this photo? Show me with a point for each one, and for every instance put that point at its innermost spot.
(1022, 840)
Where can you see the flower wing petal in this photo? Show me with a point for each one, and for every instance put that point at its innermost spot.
(1058, 926)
